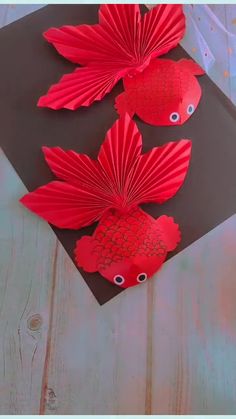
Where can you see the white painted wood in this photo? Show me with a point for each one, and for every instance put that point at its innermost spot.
(164, 347)
(98, 353)
(194, 334)
(17, 11)
(3, 14)
(27, 252)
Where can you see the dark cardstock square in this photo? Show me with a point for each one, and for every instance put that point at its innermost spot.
(29, 65)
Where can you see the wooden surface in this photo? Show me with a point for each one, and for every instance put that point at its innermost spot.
(11, 12)
(167, 346)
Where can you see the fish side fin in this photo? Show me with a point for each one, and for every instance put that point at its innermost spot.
(123, 106)
(170, 231)
(192, 66)
(82, 87)
(83, 254)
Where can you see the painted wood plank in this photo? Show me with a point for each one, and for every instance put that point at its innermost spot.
(194, 334)
(27, 258)
(3, 14)
(98, 355)
(17, 11)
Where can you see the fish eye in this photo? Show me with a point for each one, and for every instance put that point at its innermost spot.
(119, 279)
(190, 109)
(174, 117)
(142, 277)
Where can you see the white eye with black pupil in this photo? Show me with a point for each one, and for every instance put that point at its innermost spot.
(119, 279)
(142, 277)
(190, 109)
(174, 117)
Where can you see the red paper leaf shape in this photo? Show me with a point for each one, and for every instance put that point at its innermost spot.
(161, 30)
(65, 205)
(80, 88)
(160, 173)
(122, 43)
(121, 178)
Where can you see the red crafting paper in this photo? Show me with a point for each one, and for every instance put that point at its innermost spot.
(165, 93)
(124, 45)
(128, 245)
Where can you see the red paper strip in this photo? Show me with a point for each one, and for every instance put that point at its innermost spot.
(128, 245)
(125, 45)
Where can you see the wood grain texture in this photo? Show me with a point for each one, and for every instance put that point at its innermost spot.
(97, 361)
(11, 12)
(167, 347)
(27, 251)
(3, 14)
(194, 330)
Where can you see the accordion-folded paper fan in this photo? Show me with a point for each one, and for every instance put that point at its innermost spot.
(128, 245)
(125, 45)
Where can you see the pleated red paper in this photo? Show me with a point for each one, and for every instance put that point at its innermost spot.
(128, 246)
(125, 45)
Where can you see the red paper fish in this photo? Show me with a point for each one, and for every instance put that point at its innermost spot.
(165, 93)
(125, 45)
(128, 245)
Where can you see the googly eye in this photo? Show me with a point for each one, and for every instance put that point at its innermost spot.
(174, 117)
(119, 279)
(190, 109)
(142, 277)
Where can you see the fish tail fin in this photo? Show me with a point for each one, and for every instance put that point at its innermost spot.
(134, 178)
(143, 38)
(87, 188)
(159, 173)
(162, 29)
(170, 230)
(120, 178)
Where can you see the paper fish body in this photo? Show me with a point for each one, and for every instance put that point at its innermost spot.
(128, 245)
(126, 45)
(165, 93)
(127, 248)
